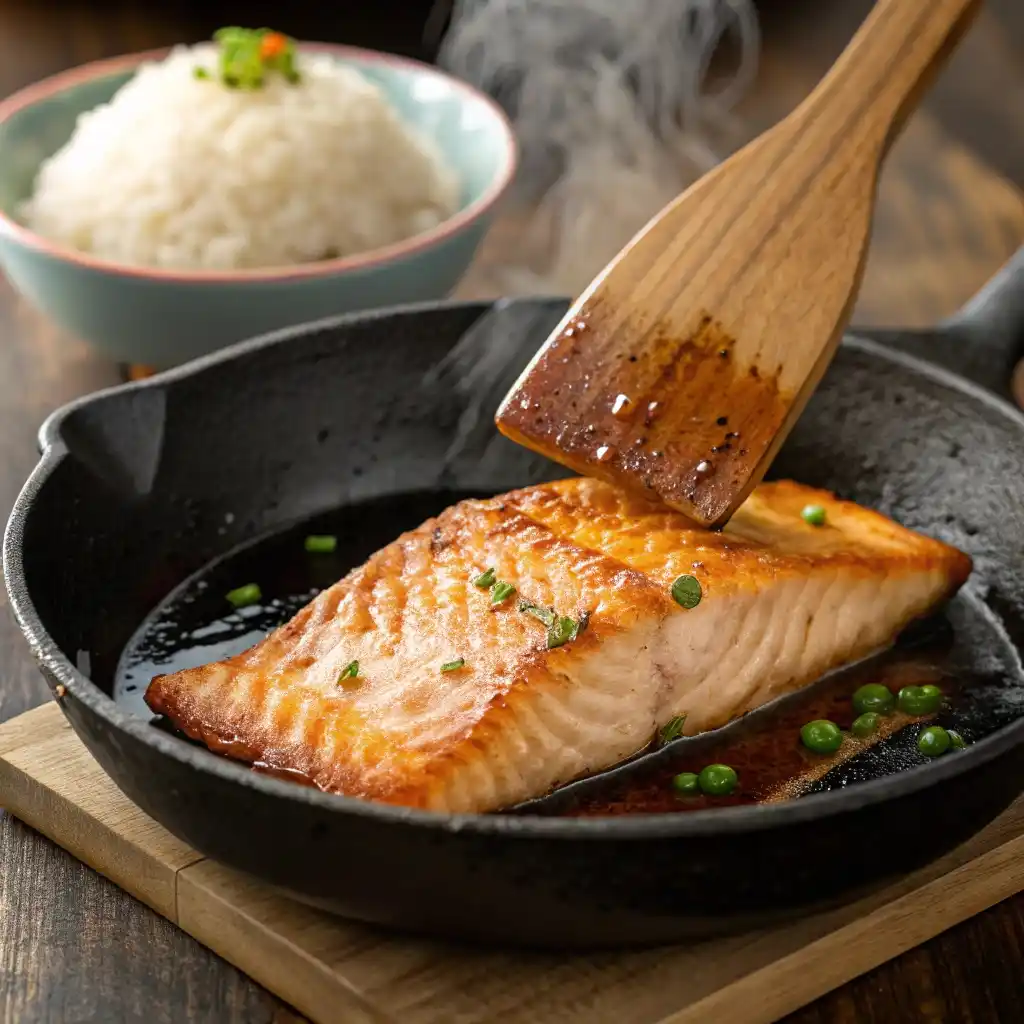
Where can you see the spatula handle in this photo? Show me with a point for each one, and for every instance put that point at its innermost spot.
(891, 60)
(682, 368)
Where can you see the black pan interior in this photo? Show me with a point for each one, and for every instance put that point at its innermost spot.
(161, 479)
(164, 480)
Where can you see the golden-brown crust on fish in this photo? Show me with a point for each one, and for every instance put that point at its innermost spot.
(766, 530)
(411, 608)
(519, 718)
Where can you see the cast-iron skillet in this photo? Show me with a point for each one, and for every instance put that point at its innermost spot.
(142, 485)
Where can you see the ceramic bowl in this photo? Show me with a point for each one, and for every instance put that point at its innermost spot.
(162, 317)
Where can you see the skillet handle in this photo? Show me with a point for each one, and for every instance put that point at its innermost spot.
(984, 341)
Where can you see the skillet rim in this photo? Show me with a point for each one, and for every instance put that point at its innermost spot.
(703, 823)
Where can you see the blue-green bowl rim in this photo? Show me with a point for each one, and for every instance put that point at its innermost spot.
(64, 80)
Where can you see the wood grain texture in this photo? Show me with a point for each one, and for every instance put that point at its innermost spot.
(74, 947)
(978, 98)
(927, 254)
(336, 970)
(730, 304)
(147, 865)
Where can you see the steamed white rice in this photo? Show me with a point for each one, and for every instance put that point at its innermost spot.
(178, 172)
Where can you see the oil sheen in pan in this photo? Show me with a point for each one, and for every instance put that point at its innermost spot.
(963, 651)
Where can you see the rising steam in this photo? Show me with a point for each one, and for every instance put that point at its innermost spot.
(616, 109)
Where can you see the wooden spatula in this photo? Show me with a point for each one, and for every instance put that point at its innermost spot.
(681, 369)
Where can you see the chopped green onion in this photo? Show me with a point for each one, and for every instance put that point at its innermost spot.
(246, 55)
(501, 591)
(814, 515)
(686, 591)
(561, 631)
(241, 597)
(453, 666)
(546, 615)
(485, 579)
(350, 671)
(581, 625)
(322, 544)
(672, 729)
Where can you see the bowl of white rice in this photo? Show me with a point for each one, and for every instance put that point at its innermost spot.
(165, 205)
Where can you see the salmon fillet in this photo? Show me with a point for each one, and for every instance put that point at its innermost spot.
(782, 602)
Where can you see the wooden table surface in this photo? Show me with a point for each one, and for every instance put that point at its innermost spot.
(73, 947)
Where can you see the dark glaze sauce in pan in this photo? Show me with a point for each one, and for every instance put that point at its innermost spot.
(963, 651)
(765, 748)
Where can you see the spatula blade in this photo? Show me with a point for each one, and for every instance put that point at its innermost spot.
(682, 368)
(681, 416)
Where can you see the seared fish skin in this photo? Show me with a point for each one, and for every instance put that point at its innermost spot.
(782, 603)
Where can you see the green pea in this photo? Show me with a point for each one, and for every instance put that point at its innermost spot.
(686, 784)
(717, 780)
(933, 741)
(920, 700)
(865, 725)
(813, 515)
(873, 697)
(822, 736)
(956, 741)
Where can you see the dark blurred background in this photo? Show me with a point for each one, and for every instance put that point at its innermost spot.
(979, 98)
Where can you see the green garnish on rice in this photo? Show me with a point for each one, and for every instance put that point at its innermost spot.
(248, 55)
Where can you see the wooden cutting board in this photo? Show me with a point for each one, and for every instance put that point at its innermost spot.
(337, 971)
